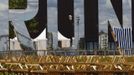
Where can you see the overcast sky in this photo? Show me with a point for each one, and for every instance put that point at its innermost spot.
(79, 11)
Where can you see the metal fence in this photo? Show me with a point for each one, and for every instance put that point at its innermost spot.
(69, 52)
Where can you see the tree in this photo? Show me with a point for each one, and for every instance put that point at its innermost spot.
(17, 4)
(32, 25)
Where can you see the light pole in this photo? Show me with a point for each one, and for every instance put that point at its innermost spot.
(78, 22)
(70, 19)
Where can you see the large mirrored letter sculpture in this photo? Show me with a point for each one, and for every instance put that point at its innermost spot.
(18, 16)
(4, 25)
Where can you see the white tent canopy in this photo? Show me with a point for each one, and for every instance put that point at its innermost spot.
(61, 37)
(41, 36)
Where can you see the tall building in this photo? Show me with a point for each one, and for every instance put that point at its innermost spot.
(103, 41)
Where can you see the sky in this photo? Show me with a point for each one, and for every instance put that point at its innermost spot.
(78, 11)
